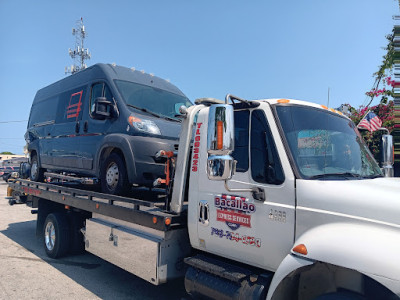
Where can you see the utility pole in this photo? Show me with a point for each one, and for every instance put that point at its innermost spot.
(79, 54)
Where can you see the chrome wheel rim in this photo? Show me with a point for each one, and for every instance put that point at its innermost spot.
(34, 168)
(112, 176)
(50, 236)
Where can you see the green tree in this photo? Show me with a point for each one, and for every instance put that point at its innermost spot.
(385, 112)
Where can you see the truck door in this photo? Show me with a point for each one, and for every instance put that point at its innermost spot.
(251, 227)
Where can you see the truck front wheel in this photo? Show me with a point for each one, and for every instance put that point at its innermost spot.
(56, 235)
(114, 179)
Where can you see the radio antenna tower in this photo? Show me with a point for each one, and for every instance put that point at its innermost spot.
(80, 53)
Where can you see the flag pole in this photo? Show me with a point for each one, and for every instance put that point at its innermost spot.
(363, 117)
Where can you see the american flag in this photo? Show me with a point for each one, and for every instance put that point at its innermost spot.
(370, 122)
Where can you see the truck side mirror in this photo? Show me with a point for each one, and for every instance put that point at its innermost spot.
(220, 142)
(102, 108)
(387, 155)
(220, 167)
(220, 139)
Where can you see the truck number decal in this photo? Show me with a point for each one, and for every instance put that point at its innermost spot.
(277, 215)
(236, 237)
(196, 148)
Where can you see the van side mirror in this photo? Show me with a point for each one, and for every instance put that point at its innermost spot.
(102, 108)
(220, 142)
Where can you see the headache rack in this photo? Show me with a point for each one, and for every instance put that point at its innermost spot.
(142, 212)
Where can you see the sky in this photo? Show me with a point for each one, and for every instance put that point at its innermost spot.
(298, 49)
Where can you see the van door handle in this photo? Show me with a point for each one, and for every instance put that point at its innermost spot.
(85, 126)
(77, 127)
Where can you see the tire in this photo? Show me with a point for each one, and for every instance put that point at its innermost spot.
(114, 179)
(56, 235)
(36, 173)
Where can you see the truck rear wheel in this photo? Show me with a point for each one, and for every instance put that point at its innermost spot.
(114, 179)
(56, 235)
(37, 173)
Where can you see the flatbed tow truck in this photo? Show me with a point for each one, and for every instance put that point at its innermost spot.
(266, 199)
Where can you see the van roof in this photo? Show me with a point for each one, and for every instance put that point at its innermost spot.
(109, 72)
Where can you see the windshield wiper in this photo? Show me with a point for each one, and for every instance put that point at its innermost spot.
(152, 113)
(337, 175)
(171, 119)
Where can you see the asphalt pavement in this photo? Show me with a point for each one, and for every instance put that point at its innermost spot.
(27, 273)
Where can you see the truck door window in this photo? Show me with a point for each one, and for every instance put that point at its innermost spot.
(265, 164)
(241, 152)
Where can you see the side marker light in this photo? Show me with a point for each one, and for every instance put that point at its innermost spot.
(283, 101)
(220, 135)
(301, 249)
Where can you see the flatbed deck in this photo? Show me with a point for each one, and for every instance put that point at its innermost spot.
(137, 211)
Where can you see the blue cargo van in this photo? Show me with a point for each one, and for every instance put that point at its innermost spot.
(106, 122)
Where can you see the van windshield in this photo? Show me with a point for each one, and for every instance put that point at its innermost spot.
(152, 100)
(325, 145)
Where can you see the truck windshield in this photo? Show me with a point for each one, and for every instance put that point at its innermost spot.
(325, 145)
(153, 100)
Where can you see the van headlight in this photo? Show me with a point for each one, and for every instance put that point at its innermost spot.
(144, 125)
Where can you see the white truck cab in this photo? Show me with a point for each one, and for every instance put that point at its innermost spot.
(303, 198)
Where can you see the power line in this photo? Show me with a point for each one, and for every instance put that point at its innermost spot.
(6, 122)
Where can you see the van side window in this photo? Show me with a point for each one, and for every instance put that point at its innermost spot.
(241, 152)
(70, 105)
(99, 90)
(265, 164)
(43, 111)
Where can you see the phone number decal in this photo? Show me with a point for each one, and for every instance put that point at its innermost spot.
(236, 237)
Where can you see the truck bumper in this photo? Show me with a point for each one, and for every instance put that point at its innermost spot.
(147, 166)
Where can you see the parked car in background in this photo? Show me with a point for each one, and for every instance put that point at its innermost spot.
(106, 122)
(11, 165)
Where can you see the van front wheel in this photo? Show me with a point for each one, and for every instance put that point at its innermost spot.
(114, 179)
(37, 173)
